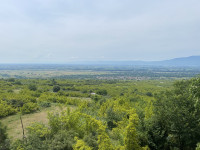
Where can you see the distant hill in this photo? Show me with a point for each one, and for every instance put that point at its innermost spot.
(193, 61)
(183, 61)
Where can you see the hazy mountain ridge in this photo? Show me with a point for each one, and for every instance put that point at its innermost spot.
(182, 61)
(192, 61)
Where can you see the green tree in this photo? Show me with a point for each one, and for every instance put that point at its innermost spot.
(29, 108)
(102, 92)
(32, 87)
(4, 142)
(56, 88)
(176, 122)
(131, 140)
(81, 145)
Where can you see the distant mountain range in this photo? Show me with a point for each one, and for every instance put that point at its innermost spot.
(182, 61)
(192, 61)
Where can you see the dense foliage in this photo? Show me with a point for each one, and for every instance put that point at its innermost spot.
(4, 142)
(105, 114)
(175, 121)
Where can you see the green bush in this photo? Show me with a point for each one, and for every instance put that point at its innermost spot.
(102, 92)
(32, 87)
(4, 142)
(45, 104)
(56, 88)
(63, 140)
(96, 98)
(149, 94)
(18, 83)
(6, 110)
(29, 108)
(91, 141)
(11, 80)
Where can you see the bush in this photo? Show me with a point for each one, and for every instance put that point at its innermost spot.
(102, 92)
(33, 142)
(63, 140)
(96, 98)
(91, 140)
(29, 108)
(10, 91)
(11, 80)
(39, 129)
(6, 110)
(4, 142)
(18, 83)
(56, 88)
(45, 104)
(32, 87)
(149, 94)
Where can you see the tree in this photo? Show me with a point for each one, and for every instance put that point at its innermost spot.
(32, 87)
(149, 94)
(56, 88)
(81, 145)
(29, 108)
(175, 122)
(4, 143)
(131, 141)
(102, 92)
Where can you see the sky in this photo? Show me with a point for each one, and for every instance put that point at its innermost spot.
(62, 31)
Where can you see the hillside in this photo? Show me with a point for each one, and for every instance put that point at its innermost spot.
(183, 61)
(193, 61)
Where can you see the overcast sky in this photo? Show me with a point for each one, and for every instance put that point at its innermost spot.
(60, 31)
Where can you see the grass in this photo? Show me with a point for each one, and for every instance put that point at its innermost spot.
(13, 123)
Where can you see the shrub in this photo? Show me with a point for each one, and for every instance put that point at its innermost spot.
(18, 83)
(45, 104)
(63, 140)
(10, 91)
(6, 110)
(11, 80)
(56, 88)
(29, 108)
(4, 142)
(39, 130)
(149, 94)
(32, 87)
(96, 98)
(102, 92)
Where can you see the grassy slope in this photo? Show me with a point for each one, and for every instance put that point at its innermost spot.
(13, 122)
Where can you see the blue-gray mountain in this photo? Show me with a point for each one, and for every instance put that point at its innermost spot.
(193, 61)
(184, 61)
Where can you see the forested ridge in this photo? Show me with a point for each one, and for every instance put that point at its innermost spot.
(102, 114)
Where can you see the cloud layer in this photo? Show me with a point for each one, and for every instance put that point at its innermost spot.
(59, 31)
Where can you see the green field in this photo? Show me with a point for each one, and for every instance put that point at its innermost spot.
(82, 113)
